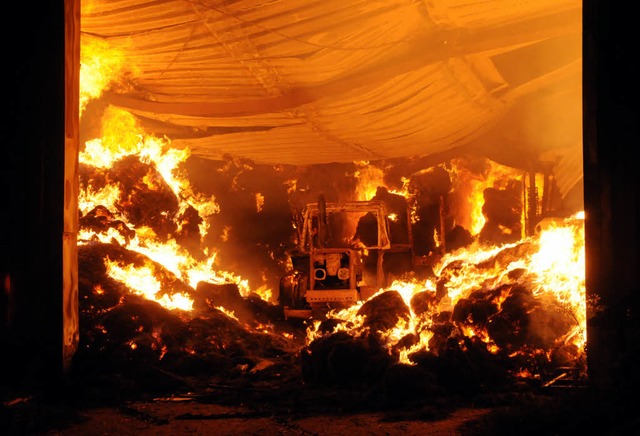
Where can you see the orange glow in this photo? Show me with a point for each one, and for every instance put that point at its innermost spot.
(99, 65)
(259, 202)
(369, 178)
(470, 185)
(142, 282)
(121, 137)
(560, 266)
(551, 263)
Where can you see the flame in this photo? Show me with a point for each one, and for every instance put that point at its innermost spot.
(560, 266)
(122, 137)
(227, 312)
(259, 202)
(142, 282)
(292, 186)
(89, 198)
(470, 186)
(99, 65)
(555, 267)
(368, 179)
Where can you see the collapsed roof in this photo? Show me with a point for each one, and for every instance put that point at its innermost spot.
(321, 81)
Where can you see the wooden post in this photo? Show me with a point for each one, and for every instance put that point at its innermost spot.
(442, 249)
(70, 312)
(33, 185)
(610, 186)
(532, 204)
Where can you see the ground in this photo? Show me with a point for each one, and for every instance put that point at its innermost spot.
(245, 409)
(172, 417)
(243, 382)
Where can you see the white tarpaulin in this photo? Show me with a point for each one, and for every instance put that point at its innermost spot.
(305, 82)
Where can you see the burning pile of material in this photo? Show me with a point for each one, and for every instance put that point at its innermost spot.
(484, 321)
(124, 332)
(152, 295)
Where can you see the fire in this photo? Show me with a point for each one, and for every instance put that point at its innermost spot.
(141, 281)
(259, 202)
(89, 198)
(473, 277)
(560, 265)
(470, 184)
(120, 137)
(545, 268)
(550, 263)
(522, 298)
(369, 178)
(169, 252)
(105, 202)
(99, 65)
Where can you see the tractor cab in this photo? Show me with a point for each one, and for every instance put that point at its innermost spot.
(339, 259)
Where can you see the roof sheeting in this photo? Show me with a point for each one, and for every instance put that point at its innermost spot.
(317, 81)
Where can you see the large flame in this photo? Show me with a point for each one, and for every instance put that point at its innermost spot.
(122, 137)
(142, 282)
(100, 65)
(169, 253)
(368, 178)
(555, 269)
(469, 186)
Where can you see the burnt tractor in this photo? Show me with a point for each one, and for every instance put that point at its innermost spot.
(346, 253)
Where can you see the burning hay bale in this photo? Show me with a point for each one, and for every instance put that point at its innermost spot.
(503, 211)
(340, 359)
(100, 220)
(345, 359)
(129, 334)
(94, 257)
(502, 330)
(250, 310)
(423, 302)
(456, 364)
(146, 199)
(384, 311)
(474, 322)
(151, 300)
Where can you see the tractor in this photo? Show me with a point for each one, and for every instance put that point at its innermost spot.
(346, 252)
